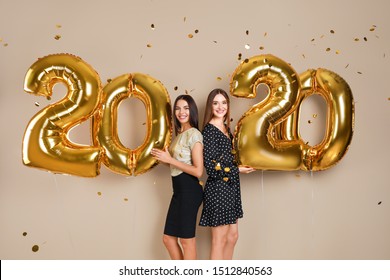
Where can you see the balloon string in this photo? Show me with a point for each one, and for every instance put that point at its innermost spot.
(62, 210)
(312, 214)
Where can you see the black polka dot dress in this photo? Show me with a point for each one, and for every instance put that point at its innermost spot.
(222, 195)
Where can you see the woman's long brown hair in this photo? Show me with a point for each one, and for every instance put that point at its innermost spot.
(208, 113)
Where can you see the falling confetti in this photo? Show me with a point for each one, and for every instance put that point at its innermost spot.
(312, 40)
(155, 121)
(327, 49)
(314, 115)
(109, 80)
(35, 248)
(239, 56)
(297, 175)
(380, 202)
(247, 46)
(152, 26)
(196, 31)
(346, 66)
(303, 56)
(24, 233)
(5, 45)
(309, 121)
(261, 48)
(201, 183)
(247, 32)
(219, 79)
(246, 60)
(58, 25)
(149, 45)
(215, 41)
(190, 36)
(356, 39)
(322, 36)
(36, 104)
(265, 34)
(332, 31)
(359, 72)
(365, 39)
(372, 29)
(99, 193)
(57, 37)
(126, 199)
(337, 52)
(175, 88)
(185, 18)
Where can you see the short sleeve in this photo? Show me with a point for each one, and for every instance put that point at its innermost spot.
(195, 137)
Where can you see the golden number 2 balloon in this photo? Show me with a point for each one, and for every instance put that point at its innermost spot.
(339, 122)
(46, 144)
(159, 129)
(255, 140)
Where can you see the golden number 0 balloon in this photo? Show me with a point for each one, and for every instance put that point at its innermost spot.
(255, 140)
(46, 144)
(159, 129)
(339, 122)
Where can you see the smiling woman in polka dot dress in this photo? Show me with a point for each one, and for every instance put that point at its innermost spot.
(222, 206)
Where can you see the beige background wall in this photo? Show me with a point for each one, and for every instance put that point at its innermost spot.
(340, 213)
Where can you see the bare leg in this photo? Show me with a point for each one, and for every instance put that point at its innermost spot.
(218, 241)
(173, 247)
(189, 248)
(232, 237)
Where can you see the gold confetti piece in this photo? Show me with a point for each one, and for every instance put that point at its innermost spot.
(35, 248)
(332, 31)
(126, 199)
(372, 29)
(312, 40)
(314, 115)
(219, 78)
(175, 88)
(322, 36)
(109, 80)
(247, 46)
(58, 25)
(57, 37)
(261, 48)
(215, 41)
(144, 123)
(24, 233)
(234, 152)
(99, 193)
(149, 45)
(309, 121)
(303, 56)
(226, 169)
(48, 97)
(356, 39)
(346, 66)
(265, 34)
(196, 31)
(186, 91)
(327, 49)
(201, 183)
(380, 202)
(155, 121)
(218, 166)
(1, 40)
(5, 45)
(225, 179)
(359, 72)
(337, 52)
(36, 104)
(247, 32)
(152, 26)
(190, 36)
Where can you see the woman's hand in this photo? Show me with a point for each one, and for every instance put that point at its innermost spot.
(162, 155)
(245, 169)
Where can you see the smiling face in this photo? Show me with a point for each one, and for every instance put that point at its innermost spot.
(182, 112)
(219, 106)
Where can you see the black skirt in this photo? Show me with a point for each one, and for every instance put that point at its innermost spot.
(183, 209)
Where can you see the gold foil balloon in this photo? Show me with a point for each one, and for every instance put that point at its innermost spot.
(153, 94)
(339, 121)
(46, 144)
(255, 140)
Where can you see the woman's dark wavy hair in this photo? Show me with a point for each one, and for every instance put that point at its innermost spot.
(208, 113)
(193, 112)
